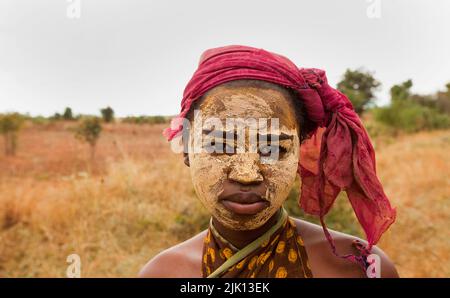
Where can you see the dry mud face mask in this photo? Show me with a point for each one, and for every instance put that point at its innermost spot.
(210, 170)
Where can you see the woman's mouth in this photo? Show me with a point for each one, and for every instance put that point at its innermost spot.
(244, 203)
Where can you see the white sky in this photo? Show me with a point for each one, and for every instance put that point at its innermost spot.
(137, 56)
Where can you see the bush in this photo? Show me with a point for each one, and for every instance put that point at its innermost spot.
(89, 131)
(145, 119)
(107, 114)
(411, 117)
(340, 218)
(411, 112)
(190, 221)
(40, 120)
(68, 115)
(10, 125)
(55, 117)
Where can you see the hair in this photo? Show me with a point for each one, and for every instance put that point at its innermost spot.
(306, 126)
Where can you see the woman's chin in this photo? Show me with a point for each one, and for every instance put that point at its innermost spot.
(242, 222)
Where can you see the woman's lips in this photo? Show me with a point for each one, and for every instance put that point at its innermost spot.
(244, 204)
(245, 209)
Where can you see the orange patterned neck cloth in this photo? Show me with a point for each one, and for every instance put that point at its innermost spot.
(283, 254)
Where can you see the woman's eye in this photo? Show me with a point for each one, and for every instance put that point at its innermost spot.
(219, 148)
(268, 150)
(224, 148)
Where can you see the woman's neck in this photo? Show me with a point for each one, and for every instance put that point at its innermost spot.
(240, 238)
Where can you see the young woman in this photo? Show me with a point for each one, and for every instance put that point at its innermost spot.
(251, 121)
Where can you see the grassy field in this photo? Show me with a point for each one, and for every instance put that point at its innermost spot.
(137, 199)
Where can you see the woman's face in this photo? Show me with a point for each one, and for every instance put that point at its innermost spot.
(244, 187)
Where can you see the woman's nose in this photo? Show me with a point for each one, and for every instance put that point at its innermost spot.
(245, 169)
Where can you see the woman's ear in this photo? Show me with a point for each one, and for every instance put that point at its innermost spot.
(186, 159)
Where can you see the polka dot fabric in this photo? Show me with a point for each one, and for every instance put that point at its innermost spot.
(282, 255)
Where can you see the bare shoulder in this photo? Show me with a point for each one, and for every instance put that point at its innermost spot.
(181, 260)
(325, 264)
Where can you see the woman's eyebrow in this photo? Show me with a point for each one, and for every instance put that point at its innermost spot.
(223, 134)
(218, 133)
(280, 137)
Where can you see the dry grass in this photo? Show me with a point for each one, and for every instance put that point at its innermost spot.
(138, 199)
(415, 173)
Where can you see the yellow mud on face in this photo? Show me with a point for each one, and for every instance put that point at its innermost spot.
(249, 102)
(209, 172)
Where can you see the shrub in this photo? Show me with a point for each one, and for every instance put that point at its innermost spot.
(10, 125)
(68, 115)
(89, 131)
(107, 114)
(411, 112)
(411, 117)
(145, 119)
(340, 217)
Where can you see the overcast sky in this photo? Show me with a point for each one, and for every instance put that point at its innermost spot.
(137, 56)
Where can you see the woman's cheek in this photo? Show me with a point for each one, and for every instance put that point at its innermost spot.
(280, 182)
(208, 176)
(281, 177)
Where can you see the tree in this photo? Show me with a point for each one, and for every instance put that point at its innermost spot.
(443, 100)
(68, 114)
(107, 114)
(56, 116)
(402, 91)
(10, 125)
(89, 131)
(359, 86)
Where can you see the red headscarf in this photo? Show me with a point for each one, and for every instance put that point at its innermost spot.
(338, 156)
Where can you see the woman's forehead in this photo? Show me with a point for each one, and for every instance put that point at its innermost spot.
(248, 102)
